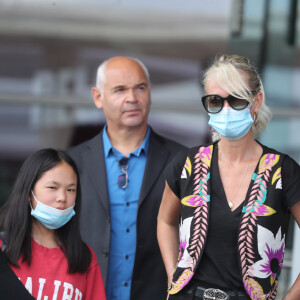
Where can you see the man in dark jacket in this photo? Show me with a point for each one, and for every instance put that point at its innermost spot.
(122, 181)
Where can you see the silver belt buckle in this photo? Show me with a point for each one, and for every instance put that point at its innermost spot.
(216, 294)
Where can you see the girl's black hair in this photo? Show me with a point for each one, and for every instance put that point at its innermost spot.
(16, 217)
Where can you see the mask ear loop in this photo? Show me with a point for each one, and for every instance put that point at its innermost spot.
(255, 120)
(255, 114)
(34, 199)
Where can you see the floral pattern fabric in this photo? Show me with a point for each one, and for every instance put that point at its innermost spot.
(260, 244)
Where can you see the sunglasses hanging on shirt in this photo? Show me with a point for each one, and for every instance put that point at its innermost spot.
(123, 178)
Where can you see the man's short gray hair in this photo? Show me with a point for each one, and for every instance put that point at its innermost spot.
(101, 79)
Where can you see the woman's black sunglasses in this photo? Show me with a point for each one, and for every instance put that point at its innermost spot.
(214, 103)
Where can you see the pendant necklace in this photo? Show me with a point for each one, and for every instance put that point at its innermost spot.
(230, 202)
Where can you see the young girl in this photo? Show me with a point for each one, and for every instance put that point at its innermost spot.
(42, 239)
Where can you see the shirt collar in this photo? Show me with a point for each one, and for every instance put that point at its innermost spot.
(109, 149)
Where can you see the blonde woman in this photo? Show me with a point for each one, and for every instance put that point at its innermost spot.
(233, 197)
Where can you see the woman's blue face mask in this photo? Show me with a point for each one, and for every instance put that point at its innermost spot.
(230, 123)
(51, 217)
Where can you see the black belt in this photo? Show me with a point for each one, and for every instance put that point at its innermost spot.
(232, 294)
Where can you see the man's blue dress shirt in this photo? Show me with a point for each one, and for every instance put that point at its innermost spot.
(123, 212)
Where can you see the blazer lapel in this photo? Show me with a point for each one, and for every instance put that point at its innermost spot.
(95, 164)
(156, 160)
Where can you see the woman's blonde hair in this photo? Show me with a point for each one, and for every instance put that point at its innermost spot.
(238, 77)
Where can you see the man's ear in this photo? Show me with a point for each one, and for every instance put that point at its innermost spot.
(97, 97)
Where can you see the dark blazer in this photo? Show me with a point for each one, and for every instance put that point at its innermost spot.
(149, 280)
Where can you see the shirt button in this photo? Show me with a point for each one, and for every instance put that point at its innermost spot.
(126, 257)
(127, 230)
(125, 284)
(127, 203)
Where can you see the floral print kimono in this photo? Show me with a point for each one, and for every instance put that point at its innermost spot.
(274, 188)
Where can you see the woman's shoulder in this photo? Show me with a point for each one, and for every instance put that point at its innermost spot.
(204, 149)
(187, 156)
(287, 159)
(193, 150)
(289, 165)
(267, 149)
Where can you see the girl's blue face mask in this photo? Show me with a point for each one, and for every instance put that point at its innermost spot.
(51, 217)
(231, 124)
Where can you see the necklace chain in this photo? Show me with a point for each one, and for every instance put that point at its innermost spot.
(230, 202)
